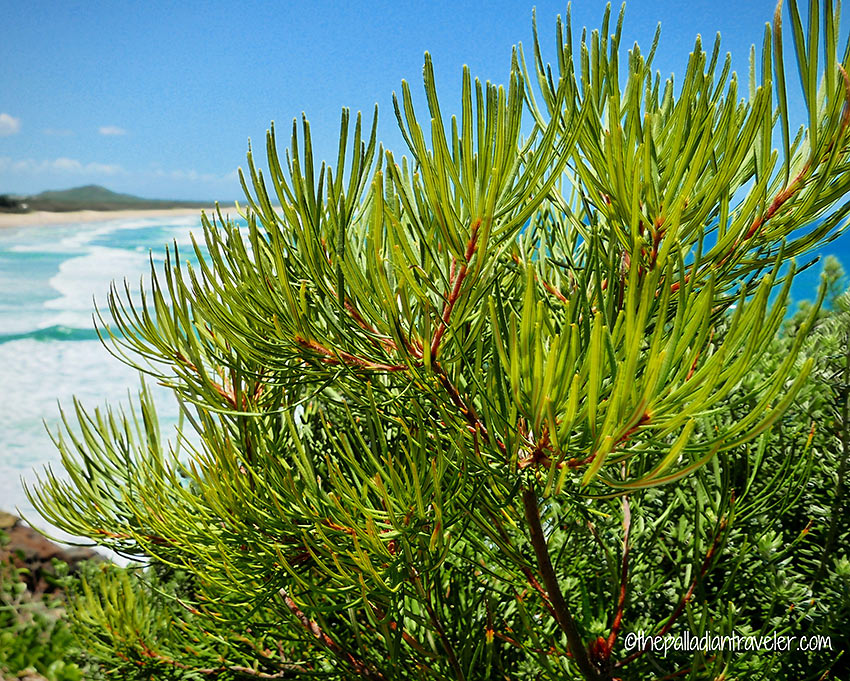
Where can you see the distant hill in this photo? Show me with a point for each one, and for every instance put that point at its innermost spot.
(89, 197)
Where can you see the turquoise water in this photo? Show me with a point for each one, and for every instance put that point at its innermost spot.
(50, 278)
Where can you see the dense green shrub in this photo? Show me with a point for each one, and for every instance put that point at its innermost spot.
(34, 636)
(768, 568)
(494, 411)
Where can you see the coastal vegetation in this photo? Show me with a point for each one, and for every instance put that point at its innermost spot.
(500, 409)
(36, 642)
(89, 197)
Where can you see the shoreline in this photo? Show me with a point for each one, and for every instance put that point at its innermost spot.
(41, 218)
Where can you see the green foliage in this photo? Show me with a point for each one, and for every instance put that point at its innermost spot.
(33, 636)
(157, 632)
(794, 576)
(484, 412)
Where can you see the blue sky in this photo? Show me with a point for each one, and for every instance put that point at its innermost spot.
(159, 98)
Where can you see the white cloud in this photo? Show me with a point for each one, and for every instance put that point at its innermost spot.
(111, 130)
(70, 166)
(154, 181)
(104, 169)
(194, 175)
(67, 164)
(9, 125)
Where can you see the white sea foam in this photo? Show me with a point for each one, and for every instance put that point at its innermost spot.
(37, 377)
(85, 278)
(50, 298)
(74, 237)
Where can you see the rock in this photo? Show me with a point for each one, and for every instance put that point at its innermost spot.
(28, 549)
(8, 521)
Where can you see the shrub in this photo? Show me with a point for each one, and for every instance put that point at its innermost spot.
(33, 635)
(489, 412)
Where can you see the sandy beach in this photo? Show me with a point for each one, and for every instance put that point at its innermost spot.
(9, 220)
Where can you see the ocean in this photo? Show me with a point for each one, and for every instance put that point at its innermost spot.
(51, 277)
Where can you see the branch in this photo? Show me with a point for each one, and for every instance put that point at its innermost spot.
(706, 563)
(644, 419)
(600, 649)
(393, 625)
(529, 575)
(438, 626)
(313, 627)
(777, 202)
(455, 280)
(624, 576)
(286, 669)
(547, 572)
(342, 357)
(468, 411)
(792, 188)
(228, 397)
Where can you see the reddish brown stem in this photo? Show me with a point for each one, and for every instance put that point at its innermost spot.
(696, 358)
(624, 576)
(508, 639)
(577, 463)
(413, 346)
(286, 670)
(120, 535)
(555, 292)
(438, 626)
(467, 410)
(529, 575)
(342, 357)
(364, 670)
(706, 563)
(547, 572)
(455, 281)
(792, 187)
(796, 183)
(778, 201)
(411, 641)
(228, 397)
